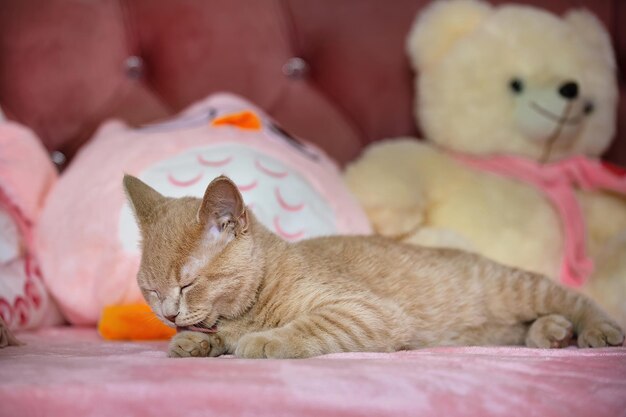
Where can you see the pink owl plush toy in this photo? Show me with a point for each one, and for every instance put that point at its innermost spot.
(87, 238)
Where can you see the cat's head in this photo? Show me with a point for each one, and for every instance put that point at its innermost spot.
(197, 258)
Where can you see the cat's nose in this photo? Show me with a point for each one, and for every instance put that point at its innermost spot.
(172, 318)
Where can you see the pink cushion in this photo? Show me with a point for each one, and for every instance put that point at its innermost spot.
(80, 58)
(71, 372)
(26, 176)
(292, 187)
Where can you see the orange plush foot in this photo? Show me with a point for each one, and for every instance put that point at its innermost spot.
(132, 322)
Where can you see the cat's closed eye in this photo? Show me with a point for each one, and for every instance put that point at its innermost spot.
(154, 293)
(186, 287)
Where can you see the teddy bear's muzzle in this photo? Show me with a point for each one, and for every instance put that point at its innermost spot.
(550, 115)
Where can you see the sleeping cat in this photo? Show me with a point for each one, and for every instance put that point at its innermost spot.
(229, 285)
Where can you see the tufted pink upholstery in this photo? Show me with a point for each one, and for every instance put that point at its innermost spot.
(66, 65)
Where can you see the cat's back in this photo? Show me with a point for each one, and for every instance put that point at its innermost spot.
(376, 257)
(420, 280)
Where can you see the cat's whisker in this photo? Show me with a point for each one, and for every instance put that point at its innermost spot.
(147, 314)
(148, 319)
(202, 325)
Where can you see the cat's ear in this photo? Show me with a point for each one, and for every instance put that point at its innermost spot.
(142, 198)
(223, 206)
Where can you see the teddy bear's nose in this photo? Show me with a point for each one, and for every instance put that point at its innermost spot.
(569, 90)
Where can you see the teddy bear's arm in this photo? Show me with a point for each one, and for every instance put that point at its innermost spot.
(388, 181)
(605, 216)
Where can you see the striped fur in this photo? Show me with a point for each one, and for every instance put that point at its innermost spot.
(270, 298)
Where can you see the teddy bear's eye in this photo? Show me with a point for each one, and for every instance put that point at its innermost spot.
(589, 108)
(516, 85)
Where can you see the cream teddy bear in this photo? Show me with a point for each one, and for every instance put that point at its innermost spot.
(515, 103)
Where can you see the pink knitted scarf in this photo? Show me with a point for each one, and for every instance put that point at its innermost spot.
(558, 182)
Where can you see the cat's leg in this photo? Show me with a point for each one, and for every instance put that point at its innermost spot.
(600, 333)
(275, 344)
(594, 328)
(552, 331)
(187, 344)
(351, 327)
(299, 339)
(532, 297)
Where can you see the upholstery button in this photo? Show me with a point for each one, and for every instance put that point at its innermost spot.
(58, 158)
(295, 68)
(134, 67)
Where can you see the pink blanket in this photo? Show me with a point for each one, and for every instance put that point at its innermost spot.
(71, 372)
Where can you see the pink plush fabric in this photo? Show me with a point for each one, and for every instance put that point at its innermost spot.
(291, 186)
(26, 173)
(71, 372)
(26, 176)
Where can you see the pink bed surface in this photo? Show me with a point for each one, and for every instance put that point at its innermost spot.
(72, 372)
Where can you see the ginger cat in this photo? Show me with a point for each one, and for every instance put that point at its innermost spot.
(229, 285)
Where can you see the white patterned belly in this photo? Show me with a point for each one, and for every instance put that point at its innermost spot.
(281, 198)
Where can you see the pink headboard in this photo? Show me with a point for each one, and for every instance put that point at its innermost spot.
(332, 71)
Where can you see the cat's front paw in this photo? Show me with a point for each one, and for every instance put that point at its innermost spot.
(600, 334)
(261, 345)
(195, 344)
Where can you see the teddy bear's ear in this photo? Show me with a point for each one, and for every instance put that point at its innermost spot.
(592, 32)
(439, 26)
